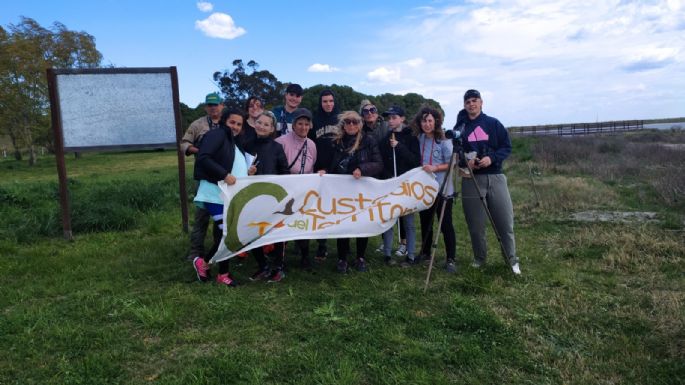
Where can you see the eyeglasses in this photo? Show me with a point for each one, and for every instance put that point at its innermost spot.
(352, 121)
(372, 110)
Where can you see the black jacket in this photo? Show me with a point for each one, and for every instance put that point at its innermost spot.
(271, 159)
(367, 157)
(407, 153)
(215, 159)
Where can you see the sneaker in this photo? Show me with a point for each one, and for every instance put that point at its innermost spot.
(201, 269)
(450, 266)
(276, 276)
(476, 264)
(321, 255)
(341, 266)
(380, 248)
(360, 264)
(389, 261)
(516, 269)
(225, 279)
(408, 262)
(242, 255)
(260, 274)
(401, 251)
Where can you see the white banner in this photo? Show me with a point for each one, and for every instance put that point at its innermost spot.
(261, 210)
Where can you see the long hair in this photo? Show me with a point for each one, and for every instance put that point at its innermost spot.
(341, 129)
(438, 132)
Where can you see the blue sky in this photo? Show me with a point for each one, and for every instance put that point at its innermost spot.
(535, 62)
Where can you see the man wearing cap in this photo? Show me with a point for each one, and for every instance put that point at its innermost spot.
(190, 145)
(300, 152)
(489, 140)
(285, 113)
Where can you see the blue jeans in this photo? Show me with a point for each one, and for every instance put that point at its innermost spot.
(410, 234)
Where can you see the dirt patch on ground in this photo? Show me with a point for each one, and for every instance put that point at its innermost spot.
(614, 216)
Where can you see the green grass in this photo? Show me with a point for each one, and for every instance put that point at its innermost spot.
(597, 303)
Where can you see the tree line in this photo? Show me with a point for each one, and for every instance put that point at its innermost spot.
(27, 49)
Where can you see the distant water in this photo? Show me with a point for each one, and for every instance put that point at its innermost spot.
(666, 126)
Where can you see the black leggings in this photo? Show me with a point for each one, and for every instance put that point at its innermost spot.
(277, 253)
(446, 227)
(343, 245)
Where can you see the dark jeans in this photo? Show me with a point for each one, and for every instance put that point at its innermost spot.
(199, 232)
(278, 253)
(343, 245)
(446, 228)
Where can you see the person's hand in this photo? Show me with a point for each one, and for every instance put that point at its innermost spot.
(485, 162)
(393, 142)
(252, 170)
(230, 179)
(322, 172)
(357, 173)
(429, 168)
(473, 164)
(193, 150)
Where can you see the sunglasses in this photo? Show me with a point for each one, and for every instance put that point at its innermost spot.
(372, 110)
(351, 121)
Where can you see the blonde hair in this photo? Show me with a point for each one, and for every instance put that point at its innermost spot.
(341, 129)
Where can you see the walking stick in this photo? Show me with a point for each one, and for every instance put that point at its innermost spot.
(443, 187)
(394, 168)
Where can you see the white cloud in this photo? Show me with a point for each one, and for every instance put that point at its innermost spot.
(219, 25)
(384, 75)
(205, 6)
(567, 51)
(316, 67)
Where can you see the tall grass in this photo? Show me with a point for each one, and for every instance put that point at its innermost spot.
(598, 303)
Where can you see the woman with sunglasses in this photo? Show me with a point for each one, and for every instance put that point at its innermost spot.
(374, 125)
(355, 153)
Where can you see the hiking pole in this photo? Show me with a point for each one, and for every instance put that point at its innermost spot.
(487, 212)
(394, 170)
(443, 188)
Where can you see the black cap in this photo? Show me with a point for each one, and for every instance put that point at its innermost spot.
(471, 94)
(301, 113)
(294, 88)
(394, 110)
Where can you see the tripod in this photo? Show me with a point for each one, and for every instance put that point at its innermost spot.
(458, 153)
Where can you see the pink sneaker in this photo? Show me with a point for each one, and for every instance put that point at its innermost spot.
(225, 279)
(201, 269)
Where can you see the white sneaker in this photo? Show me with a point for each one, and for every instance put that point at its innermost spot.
(401, 251)
(516, 269)
(379, 249)
(476, 265)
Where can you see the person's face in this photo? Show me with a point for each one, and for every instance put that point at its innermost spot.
(213, 110)
(428, 124)
(327, 103)
(255, 108)
(264, 127)
(370, 113)
(395, 121)
(352, 125)
(301, 127)
(292, 100)
(473, 106)
(235, 123)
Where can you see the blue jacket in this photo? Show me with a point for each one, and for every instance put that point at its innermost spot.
(488, 137)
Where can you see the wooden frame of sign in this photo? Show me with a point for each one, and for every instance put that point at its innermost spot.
(110, 109)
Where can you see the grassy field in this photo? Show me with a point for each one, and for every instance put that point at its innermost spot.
(598, 302)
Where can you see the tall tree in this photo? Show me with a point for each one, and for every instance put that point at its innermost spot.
(26, 50)
(238, 85)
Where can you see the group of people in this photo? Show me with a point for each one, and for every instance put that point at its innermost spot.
(230, 144)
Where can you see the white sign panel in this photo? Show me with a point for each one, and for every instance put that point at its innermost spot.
(116, 109)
